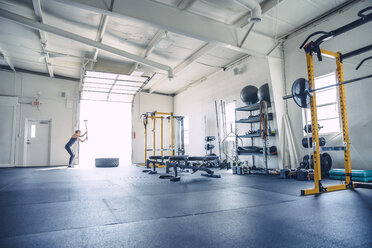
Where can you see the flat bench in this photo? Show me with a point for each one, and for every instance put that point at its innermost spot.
(186, 162)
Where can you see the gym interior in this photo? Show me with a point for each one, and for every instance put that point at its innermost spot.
(185, 123)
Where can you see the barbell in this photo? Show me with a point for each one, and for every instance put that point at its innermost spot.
(301, 91)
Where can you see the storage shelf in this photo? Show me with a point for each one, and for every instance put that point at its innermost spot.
(253, 114)
(251, 121)
(252, 107)
(249, 153)
(255, 154)
(253, 136)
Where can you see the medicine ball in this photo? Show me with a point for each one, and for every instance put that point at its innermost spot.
(264, 93)
(249, 95)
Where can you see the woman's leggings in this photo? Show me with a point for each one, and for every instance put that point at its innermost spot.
(72, 155)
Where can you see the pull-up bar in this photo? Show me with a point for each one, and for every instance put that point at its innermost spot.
(313, 46)
(356, 52)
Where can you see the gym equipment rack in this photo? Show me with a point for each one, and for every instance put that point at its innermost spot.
(314, 47)
(264, 118)
(173, 132)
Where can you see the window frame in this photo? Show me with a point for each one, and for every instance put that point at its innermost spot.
(335, 103)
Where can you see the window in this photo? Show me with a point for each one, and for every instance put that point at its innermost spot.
(101, 86)
(186, 129)
(33, 131)
(230, 116)
(327, 105)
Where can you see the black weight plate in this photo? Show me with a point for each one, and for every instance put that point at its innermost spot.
(326, 162)
(307, 128)
(322, 141)
(299, 89)
(305, 142)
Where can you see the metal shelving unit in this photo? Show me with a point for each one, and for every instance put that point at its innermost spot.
(265, 150)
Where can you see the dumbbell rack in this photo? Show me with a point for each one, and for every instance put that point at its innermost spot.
(265, 153)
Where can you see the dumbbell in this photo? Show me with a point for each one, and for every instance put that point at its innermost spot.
(209, 147)
(209, 138)
(322, 142)
(308, 129)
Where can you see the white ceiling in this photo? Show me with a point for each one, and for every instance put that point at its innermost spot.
(22, 47)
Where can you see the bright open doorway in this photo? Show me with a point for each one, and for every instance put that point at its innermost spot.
(109, 129)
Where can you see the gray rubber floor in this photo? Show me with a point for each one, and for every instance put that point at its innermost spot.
(123, 207)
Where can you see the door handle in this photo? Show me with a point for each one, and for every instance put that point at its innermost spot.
(28, 142)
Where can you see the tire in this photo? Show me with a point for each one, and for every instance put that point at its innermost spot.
(107, 162)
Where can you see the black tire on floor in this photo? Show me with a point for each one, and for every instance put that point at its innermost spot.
(107, 162)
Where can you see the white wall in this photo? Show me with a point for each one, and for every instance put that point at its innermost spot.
(145, 102)
(8, 113)
(62, 111)
(198, 101)
(358, 95)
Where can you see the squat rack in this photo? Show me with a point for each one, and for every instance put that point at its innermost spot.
(169, 116)
(314, 47)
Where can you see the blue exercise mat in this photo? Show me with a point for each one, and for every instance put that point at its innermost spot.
(355, 179)
(354, 173)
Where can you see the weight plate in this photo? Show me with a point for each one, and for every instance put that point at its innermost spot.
(300, 89)
(322, 142)
(326, 161)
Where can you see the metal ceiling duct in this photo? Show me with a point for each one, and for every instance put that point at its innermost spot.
(255, 9)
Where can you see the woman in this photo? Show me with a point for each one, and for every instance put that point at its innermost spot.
(77, 135)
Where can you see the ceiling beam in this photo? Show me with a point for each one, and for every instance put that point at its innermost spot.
(269, 4)
(171, 19)
(157, 37)
(185, 4)
(205, 77)
(7, 60)
(101, 31)
(43, 36)
(38, 73)
(265, 6)
(92, 43)
(196, 55)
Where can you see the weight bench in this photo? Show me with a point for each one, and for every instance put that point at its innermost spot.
(195, 163)
(154, 160)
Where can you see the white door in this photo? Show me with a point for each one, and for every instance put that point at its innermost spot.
(37, 143)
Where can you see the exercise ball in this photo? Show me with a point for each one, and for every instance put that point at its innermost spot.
(264, 93)
(249, 95)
